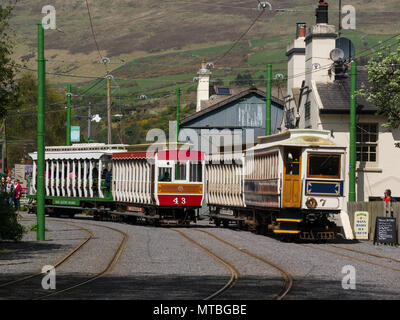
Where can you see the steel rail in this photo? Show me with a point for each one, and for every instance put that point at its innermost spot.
(69, 255)
(232, 269)
(349, 257)
(110, 267)
(364, 252)
(287, 276)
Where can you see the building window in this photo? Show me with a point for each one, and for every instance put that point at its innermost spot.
(307, 112)
(367, 142)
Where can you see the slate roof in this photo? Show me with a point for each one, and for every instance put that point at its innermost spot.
(218, 101)
(335, 96)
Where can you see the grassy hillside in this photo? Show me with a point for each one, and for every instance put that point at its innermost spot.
(156, 46)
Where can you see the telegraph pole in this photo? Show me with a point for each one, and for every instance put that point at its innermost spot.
(352, 151)
(68, 140)
(268, 102)
(108, 77)
(178, 101)
(89, 120)
(40, 136)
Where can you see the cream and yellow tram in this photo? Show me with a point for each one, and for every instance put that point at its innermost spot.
(289, 184)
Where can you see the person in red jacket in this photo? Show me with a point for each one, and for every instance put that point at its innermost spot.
(387, 196)
(17, 195)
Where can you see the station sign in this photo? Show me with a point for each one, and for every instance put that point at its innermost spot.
(361, 225)
(75, 133)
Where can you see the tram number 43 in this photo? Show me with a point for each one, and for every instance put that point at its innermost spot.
(178, 200)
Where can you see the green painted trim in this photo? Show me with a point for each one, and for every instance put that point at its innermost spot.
(66, 202)
(106, 199)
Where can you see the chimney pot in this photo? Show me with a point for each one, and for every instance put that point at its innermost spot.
(301, 30)
(322, 12)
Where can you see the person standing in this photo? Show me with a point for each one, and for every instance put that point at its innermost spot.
(3, 185)
(17, 195)
(387, 196)
(388, 200)
(9, 191)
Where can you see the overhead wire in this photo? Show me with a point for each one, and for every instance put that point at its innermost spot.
(240, 38)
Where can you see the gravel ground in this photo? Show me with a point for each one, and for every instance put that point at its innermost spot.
(91, 259)
(29, 255)
(318, 274)
(158, 263)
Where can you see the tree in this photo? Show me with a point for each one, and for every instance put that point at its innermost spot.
(384, 84)
(7, 65)
(22, 118)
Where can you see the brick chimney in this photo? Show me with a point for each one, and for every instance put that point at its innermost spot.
(203, 87)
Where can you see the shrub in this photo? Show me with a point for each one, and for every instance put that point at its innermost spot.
(10, 229)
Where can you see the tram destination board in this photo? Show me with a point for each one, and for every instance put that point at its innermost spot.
(385, 231)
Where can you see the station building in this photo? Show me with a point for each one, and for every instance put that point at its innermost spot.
(320, 99)
(229, 115)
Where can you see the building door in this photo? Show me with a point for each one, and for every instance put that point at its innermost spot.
(291, 178)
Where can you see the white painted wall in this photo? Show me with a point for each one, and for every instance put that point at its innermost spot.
(296, 65)
(371, 181)
(318, 50)
(203, 87)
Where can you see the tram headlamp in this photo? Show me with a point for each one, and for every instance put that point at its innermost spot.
(311, 203)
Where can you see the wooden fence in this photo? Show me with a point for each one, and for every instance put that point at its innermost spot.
(375, 209)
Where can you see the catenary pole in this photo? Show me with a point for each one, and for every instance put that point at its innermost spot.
(89, 120)
(178, 106)
(40, 136)
(268, 102)
(68, 140)
(352, 156)
(108, 77)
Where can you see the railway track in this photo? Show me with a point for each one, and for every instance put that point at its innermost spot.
(59, 263)
(234, 273)
(229, 266)
(109, 268)
(382, 258)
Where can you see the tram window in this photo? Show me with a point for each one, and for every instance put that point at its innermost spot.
(164, 174)
(180, 171)
(293, 162)
(324, 166)
(196, 172)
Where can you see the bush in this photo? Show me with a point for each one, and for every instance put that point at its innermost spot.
(10, 229)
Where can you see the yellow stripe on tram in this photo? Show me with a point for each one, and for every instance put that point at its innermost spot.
(288, 220)
(286, 231)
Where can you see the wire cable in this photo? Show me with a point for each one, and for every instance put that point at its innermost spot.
(240, 38)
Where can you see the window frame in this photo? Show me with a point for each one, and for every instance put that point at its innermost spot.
(200, 164)
(158, 173)
(186, 164)
(337, 177)
(361, 144)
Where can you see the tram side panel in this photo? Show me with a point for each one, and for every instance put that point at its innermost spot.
(74, 182)
(164, 187)
(225, 189)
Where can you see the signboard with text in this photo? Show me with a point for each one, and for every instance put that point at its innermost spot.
(75, 133)
(361, 225)
(385, 231)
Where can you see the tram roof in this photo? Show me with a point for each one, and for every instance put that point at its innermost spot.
(80, 151)
(298, 137)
